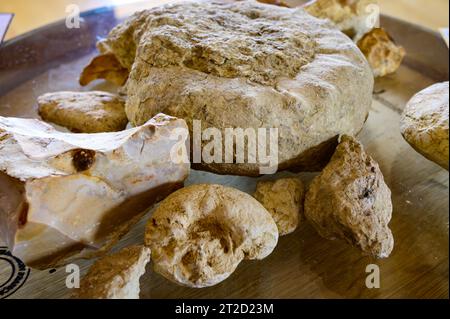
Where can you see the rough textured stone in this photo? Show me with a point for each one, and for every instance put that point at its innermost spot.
(246, 65)
(349, 200)
(201, 233)
(115, 276)
(384, 56)
(283, 199)
(74, 195)
(424, 123)
(84, 112)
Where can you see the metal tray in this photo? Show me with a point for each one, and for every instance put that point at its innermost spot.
(303, 265)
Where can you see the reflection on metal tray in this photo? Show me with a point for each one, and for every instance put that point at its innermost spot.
(5, 20)
(303, 265)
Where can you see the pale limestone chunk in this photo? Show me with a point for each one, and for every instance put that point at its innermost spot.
(65, 194)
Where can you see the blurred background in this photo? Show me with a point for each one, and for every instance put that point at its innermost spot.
(30, 14)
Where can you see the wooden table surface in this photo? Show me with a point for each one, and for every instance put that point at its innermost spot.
(31, 14)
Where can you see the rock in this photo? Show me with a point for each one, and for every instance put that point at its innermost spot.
(383, 54)
(246, 65)
(424, 123)
(349, 200)
(359, 19)
(115, 276)
(283, 199)
(104, 66)
(84, 112)
(353, 17)
(74, 195)
(201, 233)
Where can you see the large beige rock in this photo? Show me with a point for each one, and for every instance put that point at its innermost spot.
(201, 233)
(65, 194)
(350, 201)
(115, 276)
(424, 123)
(244, 65)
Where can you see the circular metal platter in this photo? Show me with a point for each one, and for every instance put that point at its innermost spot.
(303, 265)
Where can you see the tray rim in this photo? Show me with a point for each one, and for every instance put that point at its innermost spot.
(104, 9)
(108, 12)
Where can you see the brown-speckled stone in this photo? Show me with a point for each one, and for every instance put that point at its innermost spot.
(349, 200)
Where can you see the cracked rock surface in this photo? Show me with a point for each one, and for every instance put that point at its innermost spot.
(424, 123)
(350, 201)
(244, 65)
(65, 195)
(201, 233)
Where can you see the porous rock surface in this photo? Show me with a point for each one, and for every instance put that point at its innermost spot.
(424, 123)
(244, 65)
(350, 201)
(115, 276)
(200, 234)
(84, 112)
